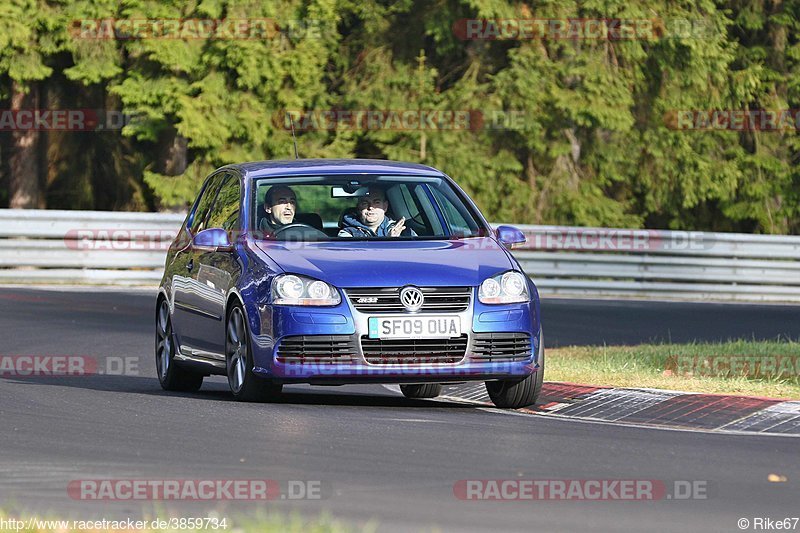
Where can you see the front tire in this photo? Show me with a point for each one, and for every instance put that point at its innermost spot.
(421, 390)
(245, 385)
(513, 394)
(170, 375)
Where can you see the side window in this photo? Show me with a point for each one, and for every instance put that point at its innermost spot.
(225, 213)
(457, 222)
(204, 203)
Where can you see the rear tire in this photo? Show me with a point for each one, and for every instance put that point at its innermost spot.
(422, 390)
(513, 394)
(170, 374)
(245, 385)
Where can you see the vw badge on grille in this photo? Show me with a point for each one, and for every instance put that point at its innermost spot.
(411, 298)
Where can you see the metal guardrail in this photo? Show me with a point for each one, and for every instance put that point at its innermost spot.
(662, 264)
(48, 246)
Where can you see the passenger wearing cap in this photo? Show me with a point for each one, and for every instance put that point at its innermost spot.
(370, 220)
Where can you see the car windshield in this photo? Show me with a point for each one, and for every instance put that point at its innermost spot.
(316, 208)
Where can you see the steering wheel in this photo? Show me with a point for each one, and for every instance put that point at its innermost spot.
(301, 230)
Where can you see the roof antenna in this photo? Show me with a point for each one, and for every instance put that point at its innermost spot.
(294, 139)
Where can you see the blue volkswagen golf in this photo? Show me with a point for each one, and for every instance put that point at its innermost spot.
(345, 271)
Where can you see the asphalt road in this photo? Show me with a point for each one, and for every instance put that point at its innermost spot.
(380, 458)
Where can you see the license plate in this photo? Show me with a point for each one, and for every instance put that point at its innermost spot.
(417, 327)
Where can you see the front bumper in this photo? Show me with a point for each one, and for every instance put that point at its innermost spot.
(319, 374)
(344, 322)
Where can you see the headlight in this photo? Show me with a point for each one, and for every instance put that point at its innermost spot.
(506, 288)
(291, 289)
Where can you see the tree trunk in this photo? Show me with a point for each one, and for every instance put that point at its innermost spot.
(172, 156)
(24, 189)
(536, 198)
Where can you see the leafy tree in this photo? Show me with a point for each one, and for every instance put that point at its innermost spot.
(550, 130)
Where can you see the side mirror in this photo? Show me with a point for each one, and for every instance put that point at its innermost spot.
(213, 240)
(509, 236)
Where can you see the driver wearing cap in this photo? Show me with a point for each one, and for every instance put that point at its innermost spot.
(280, 204)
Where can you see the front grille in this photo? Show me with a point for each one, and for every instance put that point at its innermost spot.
(413, 351)
(325, 349)
(387, 300)
(501, 346)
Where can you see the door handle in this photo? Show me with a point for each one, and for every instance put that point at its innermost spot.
(190, 265)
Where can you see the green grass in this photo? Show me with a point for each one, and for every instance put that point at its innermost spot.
(687, 367)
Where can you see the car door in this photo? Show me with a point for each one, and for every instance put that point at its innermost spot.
(218, 270)
(187, 316)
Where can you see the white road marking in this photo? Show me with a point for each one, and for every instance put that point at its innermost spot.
(481, 406)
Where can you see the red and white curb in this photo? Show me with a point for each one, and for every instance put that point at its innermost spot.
(654, 408)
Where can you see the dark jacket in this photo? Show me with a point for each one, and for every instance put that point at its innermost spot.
(351, 226)
(268, 226)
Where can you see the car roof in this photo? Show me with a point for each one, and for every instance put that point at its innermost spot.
(305, 167)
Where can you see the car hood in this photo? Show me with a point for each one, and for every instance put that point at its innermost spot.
(465, 262)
